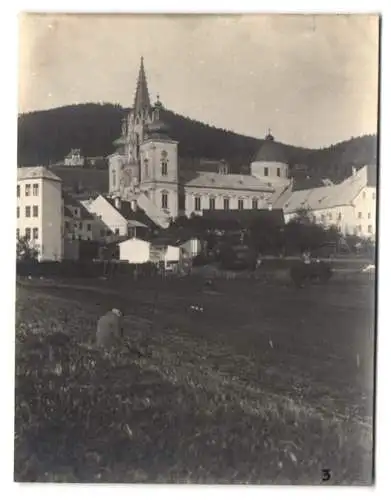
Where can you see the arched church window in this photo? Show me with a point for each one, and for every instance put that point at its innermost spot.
(255, 203)
(240, 204)
(146, 167)
(212, 203)
(226, 203)
(164, 199)
(164, 162)
(114, 178)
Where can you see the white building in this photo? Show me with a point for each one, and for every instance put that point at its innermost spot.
(165, 250)
(134, 251)
(74, 158)
(350, 205)
(145, 169)
(114, 219)
(39, 211)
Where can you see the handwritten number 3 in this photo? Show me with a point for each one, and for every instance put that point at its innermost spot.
(326, 475)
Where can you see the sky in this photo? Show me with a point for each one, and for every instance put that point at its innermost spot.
(313, 80)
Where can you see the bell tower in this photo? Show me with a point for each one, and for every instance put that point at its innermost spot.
(124, 164)
(159, 164)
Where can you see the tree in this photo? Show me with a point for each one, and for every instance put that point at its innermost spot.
(266, 236)
(25, 251)
(302, 233)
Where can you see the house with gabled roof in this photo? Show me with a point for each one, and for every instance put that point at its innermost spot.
(349, 205)
(79, 223)
(118, 219)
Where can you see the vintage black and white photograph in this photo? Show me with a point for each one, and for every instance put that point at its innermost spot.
(196, 258)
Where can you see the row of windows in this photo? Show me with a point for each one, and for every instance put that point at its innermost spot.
(164, 167)
(80, 237)
(108, 232)
(164, 170)
(359, 229)
(364, 195)
(103, 232)
(27, 190)
(266, 172)
(226, 203)
(360, 215)
(28, 233)
(339, 216)
(27, 211)
(78, 225)
(212, 203)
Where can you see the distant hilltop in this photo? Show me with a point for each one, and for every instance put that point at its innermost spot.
(47, 137)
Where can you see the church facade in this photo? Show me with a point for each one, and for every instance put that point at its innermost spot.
(145, 170)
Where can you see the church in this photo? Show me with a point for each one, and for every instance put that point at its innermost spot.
(145, 170)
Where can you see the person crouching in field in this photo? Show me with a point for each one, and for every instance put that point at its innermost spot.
(110, 330)
(110, 335)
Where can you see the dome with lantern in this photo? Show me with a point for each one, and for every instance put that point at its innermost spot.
(157, 129)
(271, 151)
(271, 162)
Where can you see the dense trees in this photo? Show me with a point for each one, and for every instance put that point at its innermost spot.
(302, 234)
(47, 136)
(265, 234)
(25, 251)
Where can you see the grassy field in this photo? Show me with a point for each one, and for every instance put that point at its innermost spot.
(268, 385)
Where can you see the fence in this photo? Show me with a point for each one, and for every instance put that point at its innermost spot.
(90, 269)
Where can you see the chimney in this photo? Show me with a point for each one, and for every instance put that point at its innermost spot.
(134, 205)
(354, 171)
(117, 202)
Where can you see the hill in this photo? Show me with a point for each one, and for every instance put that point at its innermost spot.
(45, 137)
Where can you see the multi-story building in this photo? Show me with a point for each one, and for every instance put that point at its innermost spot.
(79, 224)
(145, 168)
(349, 205)
(39, 211)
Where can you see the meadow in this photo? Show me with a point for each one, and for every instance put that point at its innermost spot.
(269, 384)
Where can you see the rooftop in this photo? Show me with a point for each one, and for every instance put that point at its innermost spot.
(70, 201)
(271, 151)
(135, 218)
(225, 181)
(324, 197)
(275, 216)
(38, 172)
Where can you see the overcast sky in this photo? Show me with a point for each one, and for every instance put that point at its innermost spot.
(312, 79)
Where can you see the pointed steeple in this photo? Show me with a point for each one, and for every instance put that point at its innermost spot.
(141, 99)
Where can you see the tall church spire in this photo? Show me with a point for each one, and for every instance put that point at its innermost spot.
(141, 99)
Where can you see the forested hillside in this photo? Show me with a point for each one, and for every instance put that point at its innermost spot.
(45, 137)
